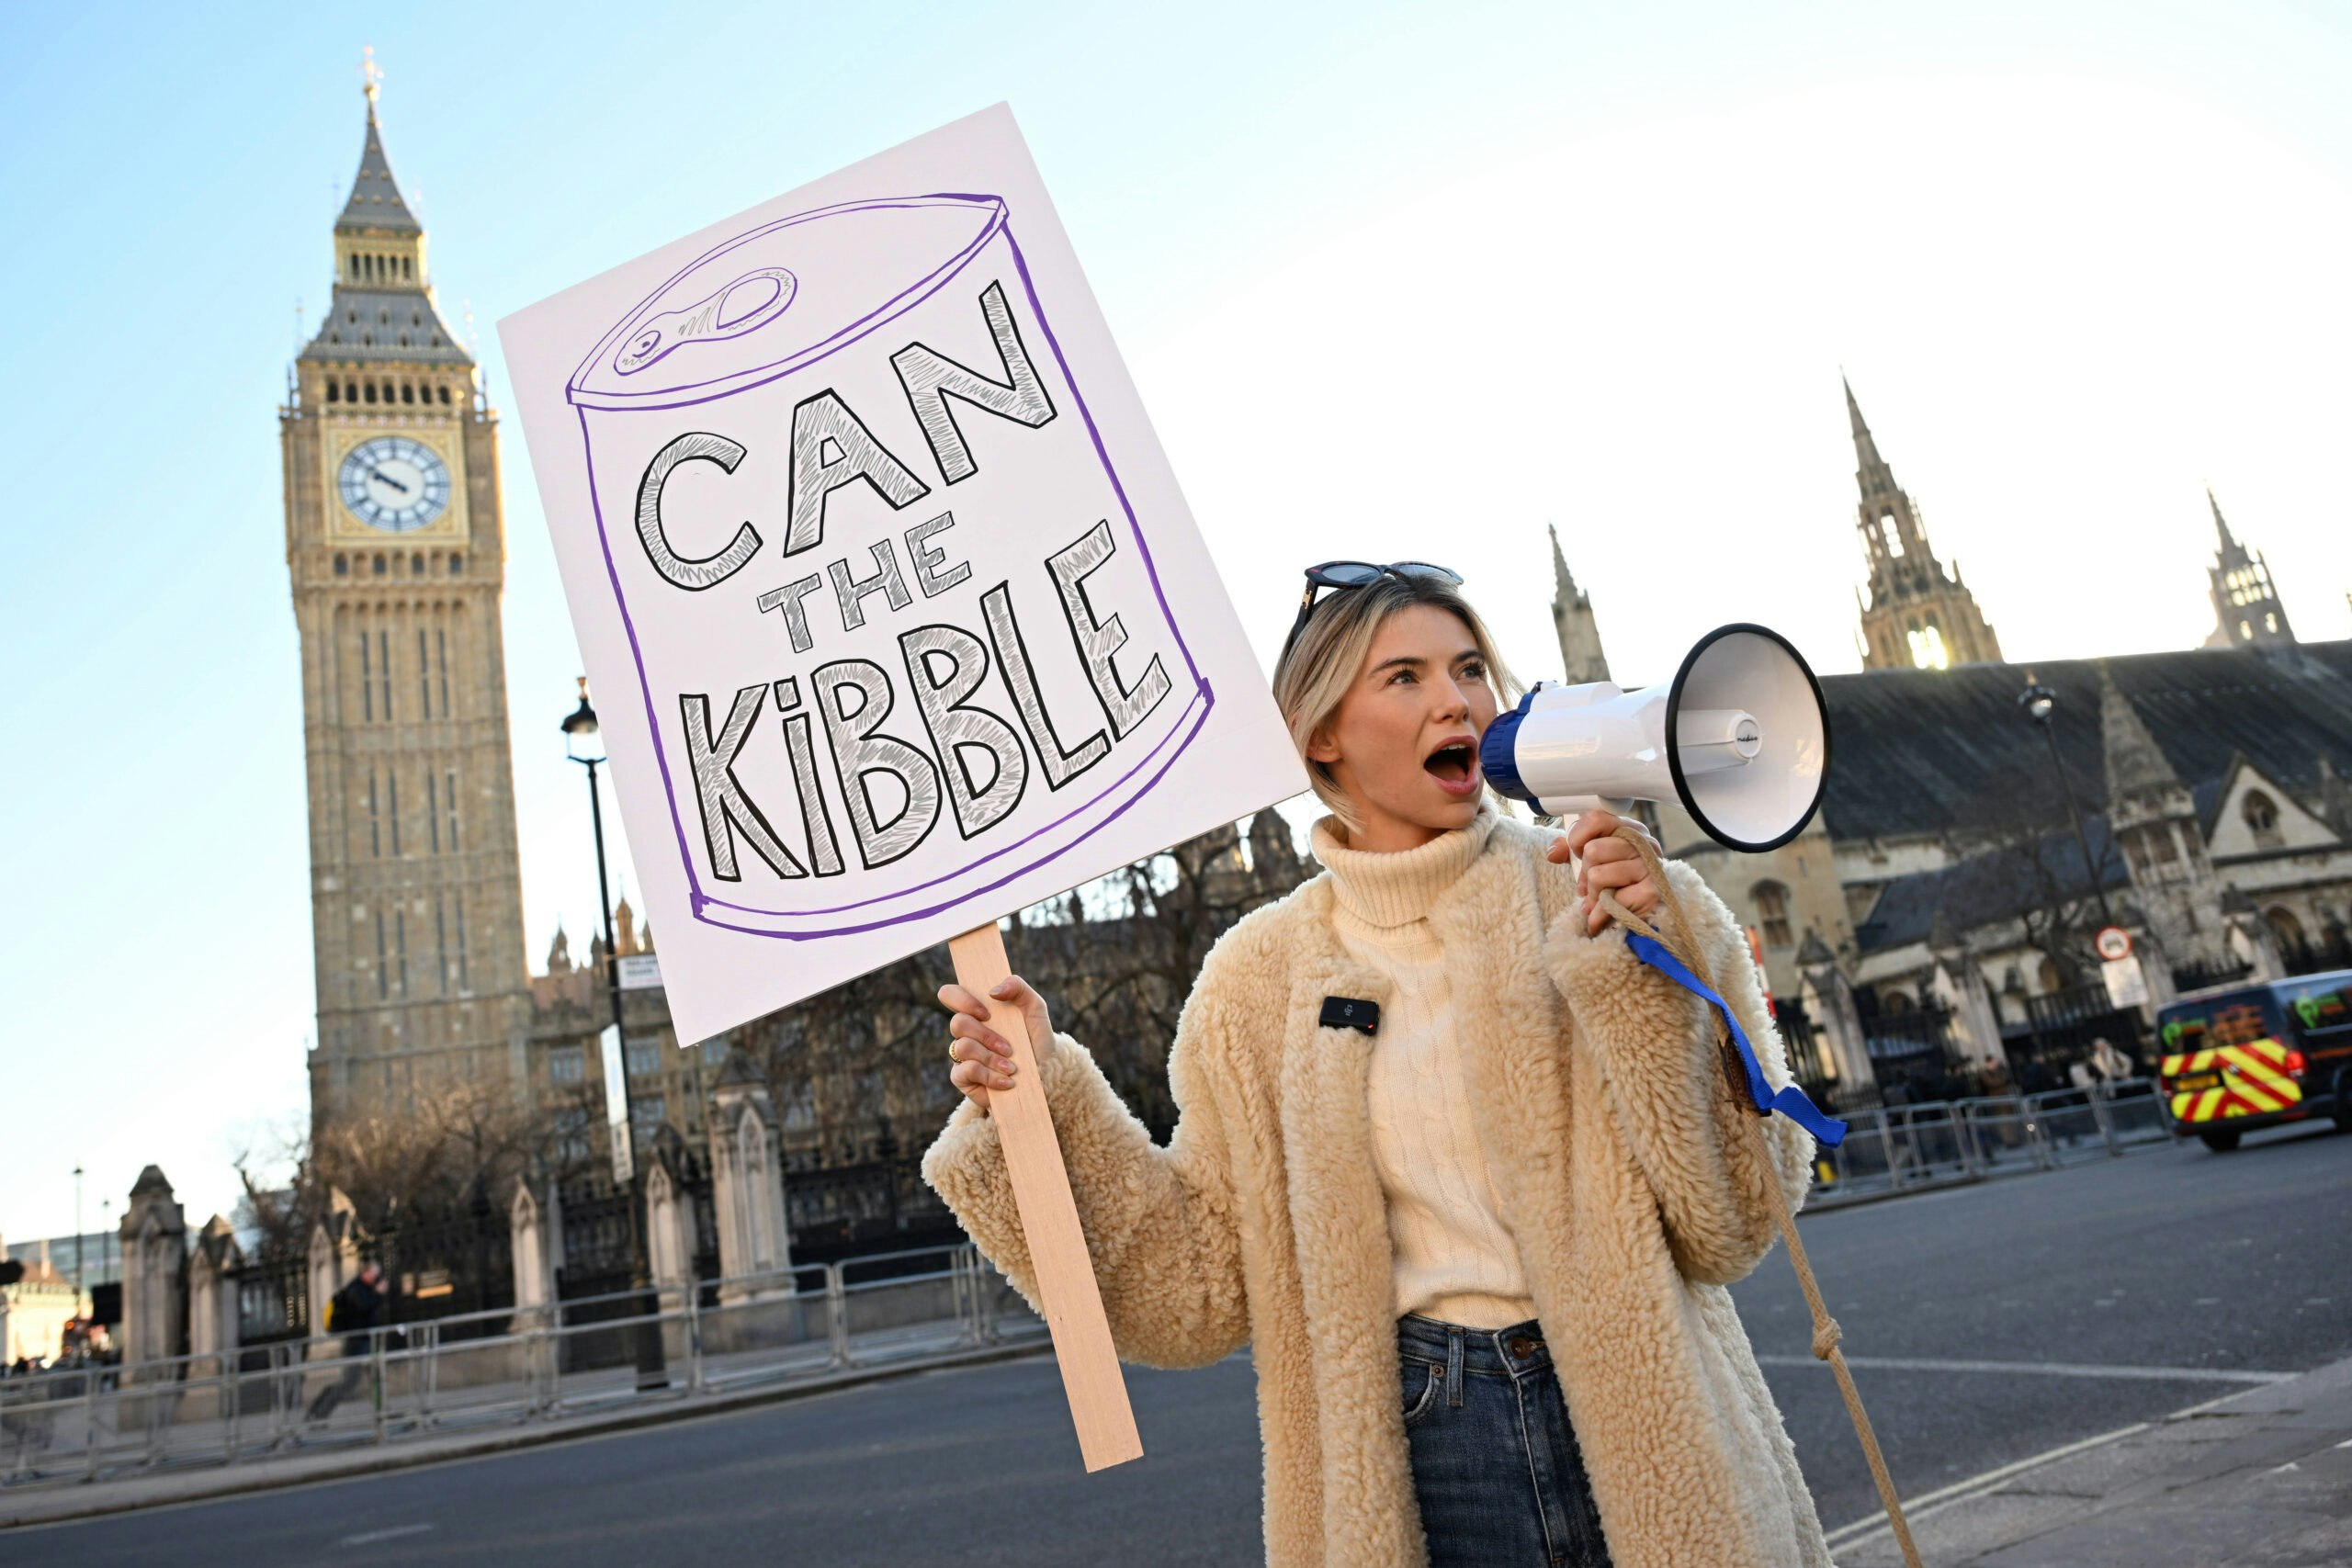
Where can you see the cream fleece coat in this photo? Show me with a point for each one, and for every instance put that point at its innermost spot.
(1613, 1140)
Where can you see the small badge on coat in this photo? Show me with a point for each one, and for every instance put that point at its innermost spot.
(1347, 1012)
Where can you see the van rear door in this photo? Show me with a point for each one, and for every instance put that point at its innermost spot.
(2226, 1056)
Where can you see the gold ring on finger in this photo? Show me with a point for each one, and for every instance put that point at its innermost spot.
(951, 1052)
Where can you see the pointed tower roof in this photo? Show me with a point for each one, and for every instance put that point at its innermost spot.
(376, 201)
(1865, 445)
(1564, 581)
(2136, 765)
(382, 308)
(2221, 526)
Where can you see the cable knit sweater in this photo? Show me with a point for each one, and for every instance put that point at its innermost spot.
(1632, 1180)
(1456, 1258)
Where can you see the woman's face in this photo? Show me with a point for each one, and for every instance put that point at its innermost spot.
(1404, 744)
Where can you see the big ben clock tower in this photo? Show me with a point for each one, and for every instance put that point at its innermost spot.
(396, 545)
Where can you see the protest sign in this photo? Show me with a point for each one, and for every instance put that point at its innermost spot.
(897, 617)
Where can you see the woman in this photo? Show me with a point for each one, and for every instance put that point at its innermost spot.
(1479, 1255)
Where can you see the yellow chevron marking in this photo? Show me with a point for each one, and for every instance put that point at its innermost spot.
(2251, 1097)
(2206, 1103)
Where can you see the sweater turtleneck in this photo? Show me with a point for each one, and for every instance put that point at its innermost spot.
(1394, 889)
(1452, 1254)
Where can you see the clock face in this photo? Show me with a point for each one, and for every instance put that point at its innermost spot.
(394, 483)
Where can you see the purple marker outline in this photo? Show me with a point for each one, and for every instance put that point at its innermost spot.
(916, 294)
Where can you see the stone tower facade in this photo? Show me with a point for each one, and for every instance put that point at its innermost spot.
(1581, 658)
(2246, 611)
(2153, 815)
(396, 546)
(1916, 615)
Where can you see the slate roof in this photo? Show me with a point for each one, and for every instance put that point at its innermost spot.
(376, 201)
(370, 324)
(1990, 887)
(1919, 751)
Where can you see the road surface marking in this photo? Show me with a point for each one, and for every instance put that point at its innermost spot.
(372, 1536)
(2046, 1369)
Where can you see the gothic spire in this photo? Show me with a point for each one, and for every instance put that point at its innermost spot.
(1564, 581)
(2221, 526)
(1582, 658)
(1865, 445)
(2246, 607)
(376, 201)
(2136, 765)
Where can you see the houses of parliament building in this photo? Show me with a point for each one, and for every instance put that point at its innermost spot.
(2220, 771)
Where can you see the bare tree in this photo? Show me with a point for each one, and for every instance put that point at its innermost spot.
(2015, 855)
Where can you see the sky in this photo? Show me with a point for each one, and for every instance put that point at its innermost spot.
(1394, 282)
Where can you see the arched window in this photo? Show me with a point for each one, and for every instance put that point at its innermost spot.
(2261, 814)
(456, 566)
(371, 391)
(343, 566)
(445, 396)
(351, 391)
(334, 391)
(1891, 534)
(379, 566)
(387, 391)
(1896, 1002)
(2052, 980)
(408, 391)
(2287, 929)
(1771, 901)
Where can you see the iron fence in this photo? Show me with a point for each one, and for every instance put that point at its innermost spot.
(472, 1370)
(1900, 1148)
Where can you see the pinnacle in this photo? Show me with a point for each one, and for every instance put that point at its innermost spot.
(2221, 526)
(376, 201)
(2136, 765)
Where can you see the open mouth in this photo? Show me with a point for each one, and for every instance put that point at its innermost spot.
(1454, 764)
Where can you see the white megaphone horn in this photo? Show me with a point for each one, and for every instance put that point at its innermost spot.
(1739, 738)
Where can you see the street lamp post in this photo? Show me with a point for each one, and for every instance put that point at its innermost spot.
(77, 1241)
(2040, 703)
(585, 745)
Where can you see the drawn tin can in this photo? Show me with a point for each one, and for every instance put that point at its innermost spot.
(896, 626)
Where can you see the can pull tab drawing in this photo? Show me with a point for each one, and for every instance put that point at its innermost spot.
(747, 304)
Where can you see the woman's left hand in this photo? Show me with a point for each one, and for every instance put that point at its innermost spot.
(1609, 861)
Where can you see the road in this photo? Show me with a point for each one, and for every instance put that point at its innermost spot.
(2151, 1279)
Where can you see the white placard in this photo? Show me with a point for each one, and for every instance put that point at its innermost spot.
(895, 616)
(616, 1125)
(640, 972)
(2127, 984)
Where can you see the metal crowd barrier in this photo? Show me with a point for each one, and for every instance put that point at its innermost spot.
(1901, 1149)
(81, 1424)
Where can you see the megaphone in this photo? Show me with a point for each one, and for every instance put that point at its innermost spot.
(1739, 737)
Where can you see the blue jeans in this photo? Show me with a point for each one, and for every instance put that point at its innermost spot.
(1496, 1468)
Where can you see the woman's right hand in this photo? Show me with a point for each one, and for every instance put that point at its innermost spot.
(983, 1058)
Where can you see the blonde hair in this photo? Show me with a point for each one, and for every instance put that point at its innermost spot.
(1329, 653)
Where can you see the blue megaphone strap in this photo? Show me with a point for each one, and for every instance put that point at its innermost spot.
(1790, 1101)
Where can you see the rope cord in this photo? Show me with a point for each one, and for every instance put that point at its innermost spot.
(1826, 1332)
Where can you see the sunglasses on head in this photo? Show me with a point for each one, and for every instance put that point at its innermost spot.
(1355, 574)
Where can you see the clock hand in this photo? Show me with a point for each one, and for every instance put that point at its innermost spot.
(380, 474)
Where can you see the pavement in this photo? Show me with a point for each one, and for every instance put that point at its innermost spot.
(2261, 1479)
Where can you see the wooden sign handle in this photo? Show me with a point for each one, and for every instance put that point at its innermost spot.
(1032, 1157)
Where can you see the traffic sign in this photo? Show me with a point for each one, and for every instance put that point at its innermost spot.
(2113, 943)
